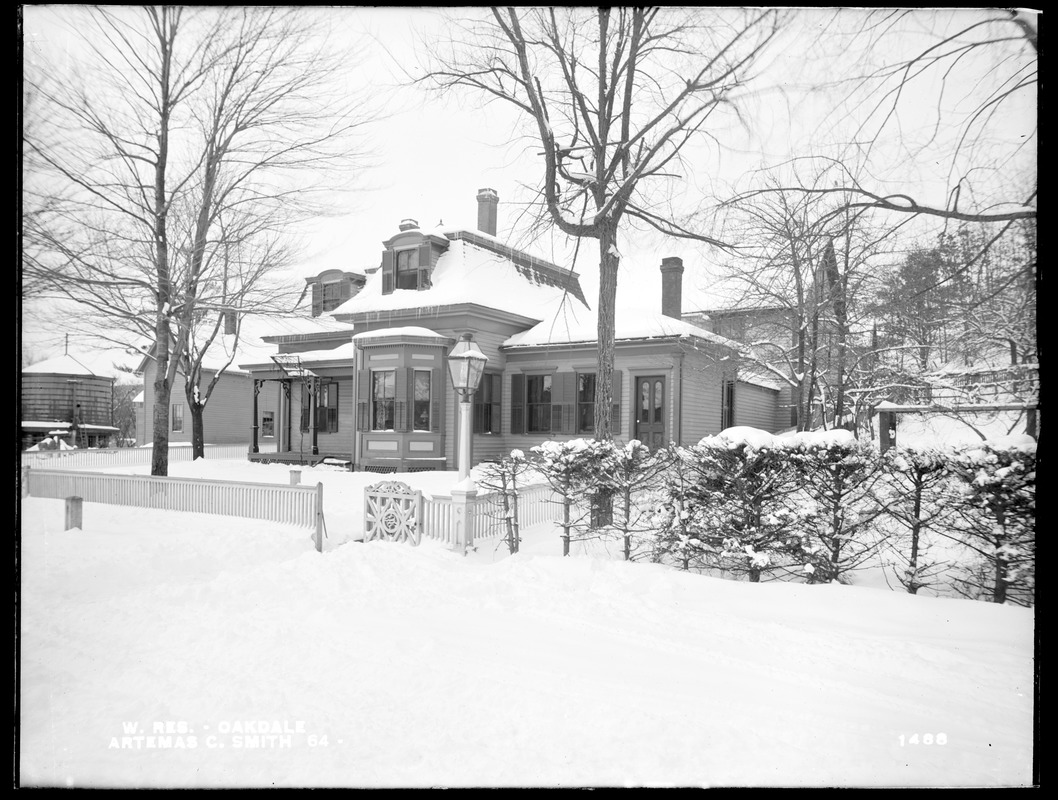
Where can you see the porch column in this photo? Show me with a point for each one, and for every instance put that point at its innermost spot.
(256, 391)
(284, 446)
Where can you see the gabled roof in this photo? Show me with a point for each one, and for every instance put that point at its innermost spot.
(573, 325)
(475, 268)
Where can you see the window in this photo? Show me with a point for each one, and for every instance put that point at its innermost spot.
(407, 269)
(727, 408)
(178, 418)
(268, 424)
(538, 403)
(332, 296)
(586, 403)
(421, 408)
(487, 404)
(383, 395)
(327, 408)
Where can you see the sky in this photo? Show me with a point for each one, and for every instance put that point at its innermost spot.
(154, 645)
(432, 154)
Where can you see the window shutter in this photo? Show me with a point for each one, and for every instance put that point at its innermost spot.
(517, 404)
(563, 397)
(345, 290)
(363, 400)
(425, 267)
(388, 270)
(497, 387)
(401, 395)
(436, 401)
(615, 410)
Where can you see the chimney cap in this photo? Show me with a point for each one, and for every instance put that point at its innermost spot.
(488, 194)
(409, 224)
(672, 262)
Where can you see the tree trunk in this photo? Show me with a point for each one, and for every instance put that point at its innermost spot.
(160, 445)
(609, 261)
(198, 431)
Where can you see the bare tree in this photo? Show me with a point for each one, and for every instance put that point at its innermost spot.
(955, 88)
(614, 98)
(182, 126)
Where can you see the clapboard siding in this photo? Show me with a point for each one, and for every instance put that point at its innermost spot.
(703, 376)
(756, 406)
(228, 416)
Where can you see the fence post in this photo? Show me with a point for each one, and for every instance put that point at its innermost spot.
(464, 515)
(295, 477)
(73, 513)
(23, 487)
(319, 518)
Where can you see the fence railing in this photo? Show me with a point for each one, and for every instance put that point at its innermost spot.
(534, 506)
(120, 457)
(291, 505)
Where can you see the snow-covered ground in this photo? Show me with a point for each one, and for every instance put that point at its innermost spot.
(158, 648)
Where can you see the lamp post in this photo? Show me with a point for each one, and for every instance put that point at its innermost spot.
(466, 365)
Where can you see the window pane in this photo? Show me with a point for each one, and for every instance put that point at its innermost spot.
(645, 387)
(421, 419)
(658, 400)
(586, 388)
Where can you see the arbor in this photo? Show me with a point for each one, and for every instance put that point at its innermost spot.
(192, 140)
(614, 98)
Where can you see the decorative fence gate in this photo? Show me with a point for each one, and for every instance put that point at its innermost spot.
(392, 512)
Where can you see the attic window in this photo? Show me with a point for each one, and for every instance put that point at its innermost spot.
(407, 276)
(407, 268)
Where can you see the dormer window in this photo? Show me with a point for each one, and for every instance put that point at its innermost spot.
(407, 276)
(407, 268)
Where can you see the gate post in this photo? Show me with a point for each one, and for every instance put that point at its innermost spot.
(73, 513)
(23, 488)
(319, 518)
(464, 514)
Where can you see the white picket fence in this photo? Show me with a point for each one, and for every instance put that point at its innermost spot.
(292, 505)
(534, 505)
(123, 456)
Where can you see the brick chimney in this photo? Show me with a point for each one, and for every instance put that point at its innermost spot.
(488, 200)
(672, 287)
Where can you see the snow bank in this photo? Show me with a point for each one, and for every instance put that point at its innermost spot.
(400, 666)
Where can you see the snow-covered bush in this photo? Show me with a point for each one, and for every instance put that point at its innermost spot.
(634, 478)
(729, 507)
(912, 493)
(503, 478)
(997, 519)
(837, 476)
(576, 470)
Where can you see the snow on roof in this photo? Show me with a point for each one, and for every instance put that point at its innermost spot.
(756, 375)
(407, 330)
(572, 324)
(464, 273)
(251, 347)
(65, 365)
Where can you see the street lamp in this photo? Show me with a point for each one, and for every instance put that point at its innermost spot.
(466, 365)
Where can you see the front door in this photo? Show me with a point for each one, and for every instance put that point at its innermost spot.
(650, 411)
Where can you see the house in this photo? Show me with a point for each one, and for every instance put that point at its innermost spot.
(764, 399)
(225, 417)
(377, 396)
(73, 399)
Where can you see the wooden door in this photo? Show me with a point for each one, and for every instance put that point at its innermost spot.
(650, 410)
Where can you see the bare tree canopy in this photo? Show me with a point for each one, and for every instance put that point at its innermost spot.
(171, 169)
(929, 112)
(614, 100)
